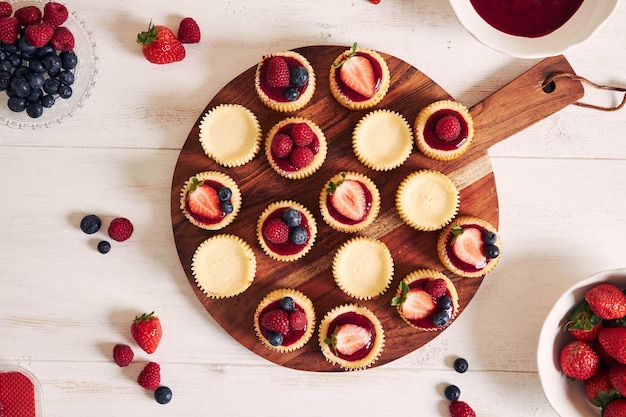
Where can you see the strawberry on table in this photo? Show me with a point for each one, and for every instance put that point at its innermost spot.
(146, 331)
(188, 31)
(357, 73)
(348, 198)
(607, 301)
(160, 45)
(578, 360)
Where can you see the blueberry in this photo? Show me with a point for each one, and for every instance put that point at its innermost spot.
(444, 302)
(34, 109)
(21, 71)
(298, 235)
(223, 193)
(291, 93)
(163, 395)
(3, 55)
(287, 304)
(460, 365)
(275, 338)
(292, 217)
(452, 392)
(51, 86)
(35, 80)
(492, 251)
(298, 76)
(25, 47)
(90, 224)
(5, 65)
(65, 91)
(52, 63)
(17, 104)
(69, 60)
(227, 207)
(5, 79)
(15, 60)
(47, 101)
(20, 86)
(36, 66)
(10, 47)
(489, 237)
(66, 77)
(104, 246)
(47, 49)
(441, 318)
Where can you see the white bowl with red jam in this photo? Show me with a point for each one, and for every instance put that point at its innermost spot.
(567, 397)
(532, 28)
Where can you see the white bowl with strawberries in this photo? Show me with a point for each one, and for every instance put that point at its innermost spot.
(582, 348)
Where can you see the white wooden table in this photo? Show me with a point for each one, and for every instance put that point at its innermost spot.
(562, 198)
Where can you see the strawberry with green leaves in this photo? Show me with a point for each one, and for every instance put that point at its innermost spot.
(599, 389)
(146, 331)
(583, 324)
(357, 73)
(160, 45)
(616, 408)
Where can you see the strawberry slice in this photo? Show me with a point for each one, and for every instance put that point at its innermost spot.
(349, 200)
(205, 202)
(468, 247)
(357, 73)
(418, 304)
(350, 338)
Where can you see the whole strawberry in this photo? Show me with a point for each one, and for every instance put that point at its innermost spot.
(150, 376)
(146, 331)
(461, 409)
(617, 376)
(607, 301)
(188, 31)
(160, 45)
(55, 13)
(123, 355)
(39, 35)
(9, 29)
(120, 229)
(613, 341)
(578, 360)
(599, 389)
(583, 324)
(616, 408)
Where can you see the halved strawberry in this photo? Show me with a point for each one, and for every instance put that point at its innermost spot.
(418, 304)
(204, 201)
(348, 198)
(350, 338)
(357, 73)
(468, 247)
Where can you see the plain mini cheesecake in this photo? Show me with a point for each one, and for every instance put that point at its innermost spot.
(469, 246)
(284, 320)
(351, 336)
(359, 78)
(284, 81)
(349, 202)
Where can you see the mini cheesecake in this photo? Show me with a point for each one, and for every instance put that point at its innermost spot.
(359, 78)
(295, 147)
(427, 300)
(284, 320)
(444, 130)
(469, 247)
(286, 231)
(349, 202)
(210, 200)
(284, 81)
(351, 336)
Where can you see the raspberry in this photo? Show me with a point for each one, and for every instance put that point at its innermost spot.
(55, 13)
(63, 39)
(276, 321)
(276, 231)
(39, 35)
(6, 9)
(448, 128)
(301, 156)
(9, 29)
(120, 229)
(150, 376)
(278, 72)
(123, 355)
(282, 145)
(436, 287)
(302, 134)
(297, 320)
(28, 15)
(188, 31)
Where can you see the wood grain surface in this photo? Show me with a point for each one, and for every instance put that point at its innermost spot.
(507, 111)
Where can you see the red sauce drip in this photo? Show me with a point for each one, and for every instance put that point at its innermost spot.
(278, 93)
(359, 320)
(353, 95)
(292, 336)
(285, 163)
(526, 18)
(454, 259)
(433, 140)
(287, 248)
(426, 322)
(201, 219)
(343, 219)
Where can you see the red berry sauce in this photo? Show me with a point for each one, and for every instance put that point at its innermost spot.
(353, 95)
(288, 248)
(284, 163)
(359, 320)
(343, 219)
(201, 219)
(278, 93)
(292, 336)
(526, 18)
(463, 266)
(434, 141)
(426, 322)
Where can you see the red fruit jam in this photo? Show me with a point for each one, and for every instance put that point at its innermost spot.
(292, 336)
(526, 18)
(433, 140)
(426, 322)
(353, 95)
(455, 260)
(287, 248)
(201, 219)
(359, 320)
(284, 163)
(278, 93)
(343, 219)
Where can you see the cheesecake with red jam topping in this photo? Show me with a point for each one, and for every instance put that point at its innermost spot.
(359, 78)
(469, 247)
(444, 130)
(427, 300)
(295, 147)
(284, 320)
(286, 231)
(349, 202)
(210, 200)
(351, 336)
(284, 81)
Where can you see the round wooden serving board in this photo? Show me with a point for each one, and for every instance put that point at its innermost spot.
(509, 110)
